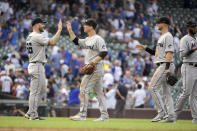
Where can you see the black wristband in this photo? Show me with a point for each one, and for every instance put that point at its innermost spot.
(152, 52)
(76, 41)
(190, 52)
(167, 65)
(103, 54)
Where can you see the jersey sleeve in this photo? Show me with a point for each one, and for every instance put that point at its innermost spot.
(101, 45)
(169, 44)
(82, 42)
(183, 47)
(42, 40)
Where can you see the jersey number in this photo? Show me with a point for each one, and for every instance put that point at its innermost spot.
(29, 48)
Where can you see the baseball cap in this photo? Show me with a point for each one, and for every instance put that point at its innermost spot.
(110, 85)
(91, 22)
(165, 20)
(191, 24)
(37, 20)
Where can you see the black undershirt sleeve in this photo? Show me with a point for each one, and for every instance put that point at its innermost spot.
(103, 54)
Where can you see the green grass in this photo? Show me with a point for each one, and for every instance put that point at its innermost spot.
(113, 124)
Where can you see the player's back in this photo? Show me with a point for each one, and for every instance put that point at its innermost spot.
(35, 45)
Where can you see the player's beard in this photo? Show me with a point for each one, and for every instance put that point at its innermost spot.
(192, 32)
(41, 29)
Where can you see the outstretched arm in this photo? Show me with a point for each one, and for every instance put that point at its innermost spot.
(56, 37)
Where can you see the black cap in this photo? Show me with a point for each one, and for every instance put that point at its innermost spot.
(37, 20)
(191, 24)
(165, 20)
(91, 22)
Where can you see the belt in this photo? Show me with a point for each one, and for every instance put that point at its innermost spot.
(38, 63)
(193, 64)
(158, 64)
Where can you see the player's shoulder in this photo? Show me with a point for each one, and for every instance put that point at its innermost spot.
(185, 38)
(168, 34)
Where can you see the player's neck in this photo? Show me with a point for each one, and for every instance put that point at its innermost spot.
(164, 31)
(91, 33)
(36, 30)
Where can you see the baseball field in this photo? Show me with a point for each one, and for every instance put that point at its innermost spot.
(61, 123)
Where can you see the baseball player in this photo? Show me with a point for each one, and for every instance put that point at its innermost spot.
(35, 45)
(163, 59)
(95, 51)
(188, 47)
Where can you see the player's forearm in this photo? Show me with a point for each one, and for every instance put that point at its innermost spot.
(169, 57)
(168, 60)
(55, 38)
(72, 34)
(97, 59)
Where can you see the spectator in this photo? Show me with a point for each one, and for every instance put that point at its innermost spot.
(127, 35)
(127, 80)
(56, 60)
(139, 97)
(48, 71)
(117, 71)
(130, 10)
(75, 65)
(8, 66)
(15, 61)
(20, 89)
(132, 43)
(63, 68)
(137, 31)
(108, 78)
(5, 83)
(75, 25)
(73, 96)
(155, 7)
(58, 14)
(119, 24)
(148, 65)
(148, 99)
(138, 65)
(121, 95)
(4, 34)
(110, 97)
(145, 30)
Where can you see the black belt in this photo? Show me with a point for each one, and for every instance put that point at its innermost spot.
(38, 63)
(193, 64)
(158, 64)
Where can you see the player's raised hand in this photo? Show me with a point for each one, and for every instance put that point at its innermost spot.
(60, 25)
(68, 25)
(140, 47)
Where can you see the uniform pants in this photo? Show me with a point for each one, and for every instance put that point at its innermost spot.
(189, 74)
(159, 81)
(95, 82)
(37, 87)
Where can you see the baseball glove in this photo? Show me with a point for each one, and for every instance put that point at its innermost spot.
(171, 78)
(88, 69)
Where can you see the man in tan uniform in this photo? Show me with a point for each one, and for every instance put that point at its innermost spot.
(35, 45)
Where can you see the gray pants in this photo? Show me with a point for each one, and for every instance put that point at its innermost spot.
(159, 81)
(189, 74)
(95, 82)
(37, 87)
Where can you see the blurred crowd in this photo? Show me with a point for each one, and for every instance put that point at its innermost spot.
(123, 21)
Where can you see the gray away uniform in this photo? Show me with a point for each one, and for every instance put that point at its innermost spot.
(165, 44)
(35, 45)
(189, 74)
(93, 45)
